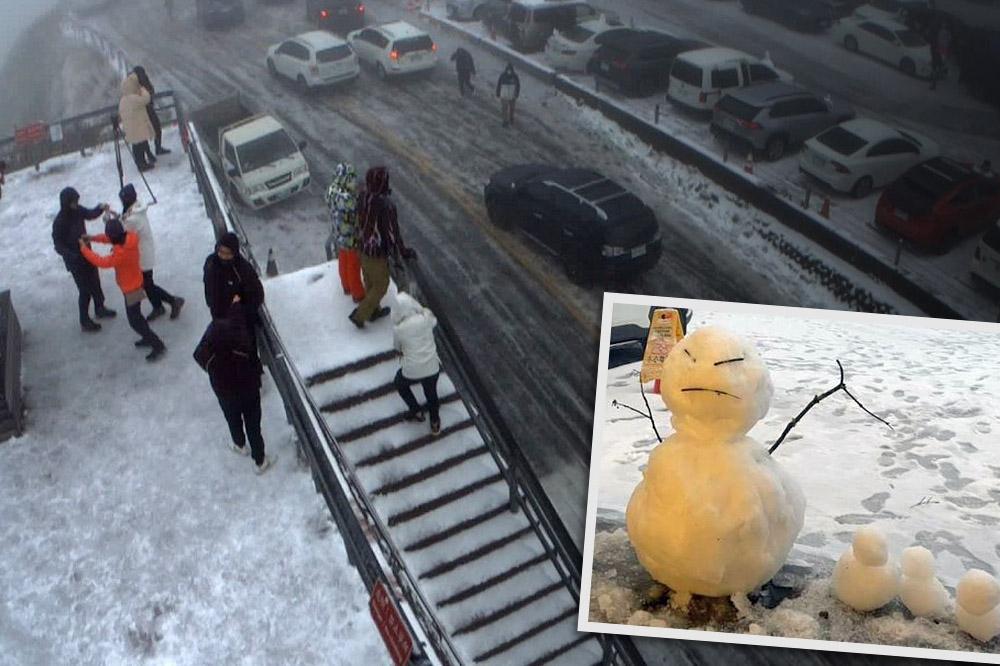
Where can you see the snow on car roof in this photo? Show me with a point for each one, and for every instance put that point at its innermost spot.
(400, 29)
(870, 130)
(320, 39)
(714, 54)
(253, 129)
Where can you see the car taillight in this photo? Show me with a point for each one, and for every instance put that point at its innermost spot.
(394, 55)
(434, 47)
(702, 98)
(323, 14)
(839, 168)
(749, 124)
(619, 65)
(361, 9)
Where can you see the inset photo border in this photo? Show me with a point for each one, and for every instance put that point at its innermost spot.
(878, 497)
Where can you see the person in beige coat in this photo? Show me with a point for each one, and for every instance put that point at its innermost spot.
(135, 121)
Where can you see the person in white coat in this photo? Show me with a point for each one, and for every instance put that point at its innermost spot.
(134, 219)
(413, 338)
(135, 121)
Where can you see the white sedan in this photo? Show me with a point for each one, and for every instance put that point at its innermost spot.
(571, 48)
(888, 41)
(312, 59)
(858, 155)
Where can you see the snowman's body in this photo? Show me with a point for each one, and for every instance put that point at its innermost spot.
(977, 605)
(865, 578)
(714, 514)
(919, 590)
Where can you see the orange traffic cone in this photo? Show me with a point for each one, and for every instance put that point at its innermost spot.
(748, 167)
(656, 387)
(825, 210)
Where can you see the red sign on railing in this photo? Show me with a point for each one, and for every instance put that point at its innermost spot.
(31, 134)
(390, 624)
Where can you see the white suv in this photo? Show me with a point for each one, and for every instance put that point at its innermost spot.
(394, 48)
(316, 58)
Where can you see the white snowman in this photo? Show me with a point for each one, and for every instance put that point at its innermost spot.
(977, 605)
(919, 590)
(715, 514)
(865, 578)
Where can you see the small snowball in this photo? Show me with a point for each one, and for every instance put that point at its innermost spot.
(978, 592)
(657, 622)
(870, 547)
(640, 618)
(917, 562)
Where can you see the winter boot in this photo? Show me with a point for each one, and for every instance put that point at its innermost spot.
(359, 324)
(415, 417)
(175, 307)
(242, 450)
(157, 353)
(157, 312)
(105, 313)
(143, 342)
(160, 150)
(90, 326)
(266, 464)
(435, 427)
(378, 314)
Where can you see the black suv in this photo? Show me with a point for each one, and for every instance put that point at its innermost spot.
(807, 15)
(336, 15)
(595, 226)
(638, 62)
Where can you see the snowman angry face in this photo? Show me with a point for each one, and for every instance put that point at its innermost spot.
(716, 377)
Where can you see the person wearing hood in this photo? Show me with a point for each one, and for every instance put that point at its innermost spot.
(228, 354)
(465, 67)
(413, 338)
(342, 199)
(68, 228)
(135, 121)
(228, 274)
(380, 240)
(143, 78)
(134, 219)
(508, 90)
(124, 258)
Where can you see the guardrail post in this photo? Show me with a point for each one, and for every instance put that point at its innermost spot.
(725, 149)
(899, 252)
(805, 202)
(656, 115)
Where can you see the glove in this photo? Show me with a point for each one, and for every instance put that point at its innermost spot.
(408, 253)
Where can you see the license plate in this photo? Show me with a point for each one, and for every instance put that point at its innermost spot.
(606, 66)
(638, 251)
(416, 57)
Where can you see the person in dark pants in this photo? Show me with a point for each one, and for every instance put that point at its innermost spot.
(413, 338)
(465, 67)
(227, 353)
(154, 119)
(124, 258)
(69, 226)
(134, 219)
(228, 274)
(508, 90)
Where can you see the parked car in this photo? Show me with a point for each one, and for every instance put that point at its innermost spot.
(571, 48)
(890, 10)
(888, 41)
(217, 13)
(596, 227)
(985, 265)
(771, 117)
(812, 15)
(861, 154)
(313, 59)
(638, 62)
(936, 203)
(394, 48)
(699, 78)
(338, 16)
(466, 10)
(528, 24)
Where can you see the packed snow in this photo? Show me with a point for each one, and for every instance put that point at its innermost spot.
(933, 480)
(130, 531)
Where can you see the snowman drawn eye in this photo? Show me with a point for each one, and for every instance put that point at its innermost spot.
(689, 355)
(731, 360)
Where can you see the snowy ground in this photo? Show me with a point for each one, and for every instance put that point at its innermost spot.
(130, 533)
(933, 480)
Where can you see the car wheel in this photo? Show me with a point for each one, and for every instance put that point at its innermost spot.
(851, 43)
(380, 72)
(300, 82)
(776, 147)
(495, 213)
(908, 67)
(271, 68)
(862, 187)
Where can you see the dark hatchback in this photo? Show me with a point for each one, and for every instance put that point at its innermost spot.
(637, 62)
(597, 228)
(936, 203)
(805, 15)
(340, 16)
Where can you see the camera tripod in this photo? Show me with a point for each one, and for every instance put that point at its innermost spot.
(119, 139)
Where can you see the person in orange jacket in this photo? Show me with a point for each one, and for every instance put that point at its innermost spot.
(124, 258)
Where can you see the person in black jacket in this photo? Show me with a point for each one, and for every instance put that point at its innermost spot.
(153, 118)
(69, 226)
(228, 354)
(465, 67)
(228, 274)
(508, 90)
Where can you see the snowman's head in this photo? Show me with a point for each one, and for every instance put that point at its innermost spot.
(715, 384)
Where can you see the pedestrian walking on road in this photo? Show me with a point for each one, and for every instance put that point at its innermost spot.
(508, 90)
(413, 338)
(68, 228)
(124, 258)
(380, 240)
(154, 119)
(134, 219)
(342, 199)
(135, 121)
(465, 67)
(228, 354)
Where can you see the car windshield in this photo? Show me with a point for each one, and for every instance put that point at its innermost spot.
(334, 53)
(576, 33)
(910, 38)
(738, 107)
(265, 150)
(841, 141)
(411, 44)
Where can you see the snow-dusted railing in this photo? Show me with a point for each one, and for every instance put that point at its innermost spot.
(11, 414)
(333, 474)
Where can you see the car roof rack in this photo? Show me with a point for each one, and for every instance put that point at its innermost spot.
(593, 203)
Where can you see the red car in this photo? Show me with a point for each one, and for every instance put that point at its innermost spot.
(937, 202)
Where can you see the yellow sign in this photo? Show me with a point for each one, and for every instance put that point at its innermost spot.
(665, 331)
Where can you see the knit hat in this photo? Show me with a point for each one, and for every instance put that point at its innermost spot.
(230, 240)
(67, 197)
(114, 230)
(128, 196)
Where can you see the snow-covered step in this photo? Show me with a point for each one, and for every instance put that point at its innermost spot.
(558, 644)
(529, 634)
(376, 415)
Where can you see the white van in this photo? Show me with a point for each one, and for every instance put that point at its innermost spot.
(699, 78)
(986, 261)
